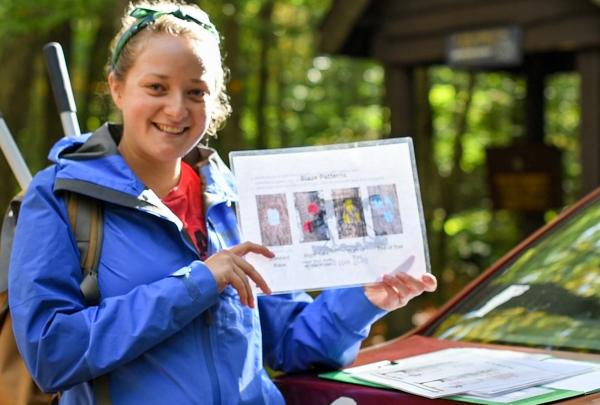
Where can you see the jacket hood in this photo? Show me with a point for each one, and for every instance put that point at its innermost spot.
(91, 164)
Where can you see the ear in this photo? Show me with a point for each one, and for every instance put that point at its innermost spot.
(115, 86)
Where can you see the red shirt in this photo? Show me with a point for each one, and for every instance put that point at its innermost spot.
(185, 200)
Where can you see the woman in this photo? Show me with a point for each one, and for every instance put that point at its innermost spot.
(177, 321)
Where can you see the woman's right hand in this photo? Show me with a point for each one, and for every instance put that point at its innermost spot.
(229, 267)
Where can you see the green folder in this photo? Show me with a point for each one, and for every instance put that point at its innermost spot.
(554, 395)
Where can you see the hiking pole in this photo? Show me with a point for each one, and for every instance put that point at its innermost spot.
(61, 87)
(13, 156)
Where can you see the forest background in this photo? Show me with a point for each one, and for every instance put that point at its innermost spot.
(285, 93)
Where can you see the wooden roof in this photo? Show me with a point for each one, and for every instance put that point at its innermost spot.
(410, 32)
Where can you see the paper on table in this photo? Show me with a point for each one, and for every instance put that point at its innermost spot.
(540, 372)
(585, 383)
(527, 396)
(481, 372)
(367, 367)
(513, 396)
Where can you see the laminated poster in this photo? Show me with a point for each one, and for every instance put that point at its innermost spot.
(336, 215)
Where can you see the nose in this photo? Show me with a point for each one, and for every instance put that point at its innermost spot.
(175, 107)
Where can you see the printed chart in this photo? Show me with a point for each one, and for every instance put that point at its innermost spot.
(337, 215)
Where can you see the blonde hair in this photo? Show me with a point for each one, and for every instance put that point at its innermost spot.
(195, 29)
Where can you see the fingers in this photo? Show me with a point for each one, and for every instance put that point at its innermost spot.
(239, 281)
(250, 247)
(251, 272)
(229, 267)
(398, 284)
(429, 281)
(395, 290)
(408, 287)
(393, 299)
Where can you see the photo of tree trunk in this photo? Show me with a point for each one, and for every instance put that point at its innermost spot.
(312, 213)
(349, 213)
(274, 220)
(385, 211)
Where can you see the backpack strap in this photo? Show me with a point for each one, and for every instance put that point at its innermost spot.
(9, 222)
(86, 219)
(87, 223)
(102, 389)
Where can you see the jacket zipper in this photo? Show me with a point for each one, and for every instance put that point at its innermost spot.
(212, 370)
(207, 348)
(207, 335)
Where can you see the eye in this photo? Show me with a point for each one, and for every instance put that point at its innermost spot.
(155, 87)
(198, 93)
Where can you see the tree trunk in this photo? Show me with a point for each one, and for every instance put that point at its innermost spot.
(266, 39)
(95, 75)
(451, 186)
(16, 73)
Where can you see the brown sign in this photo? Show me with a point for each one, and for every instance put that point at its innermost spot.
(525, 177)
(492, 47)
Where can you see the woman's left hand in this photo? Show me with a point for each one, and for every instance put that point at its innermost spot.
(396, 290)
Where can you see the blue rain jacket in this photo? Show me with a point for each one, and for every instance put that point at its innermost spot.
(162, 333)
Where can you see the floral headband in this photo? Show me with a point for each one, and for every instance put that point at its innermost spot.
(146, 16)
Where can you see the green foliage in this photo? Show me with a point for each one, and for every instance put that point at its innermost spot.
(323, 118)
(491, 120)
(311, 98)
(473, 235)
(23, 17)
(562, 126)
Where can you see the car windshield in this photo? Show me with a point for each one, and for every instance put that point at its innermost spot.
(548, 296)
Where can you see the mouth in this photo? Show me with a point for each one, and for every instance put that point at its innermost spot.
(170, 130)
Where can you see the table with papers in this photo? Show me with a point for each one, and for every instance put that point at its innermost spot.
(480, 375)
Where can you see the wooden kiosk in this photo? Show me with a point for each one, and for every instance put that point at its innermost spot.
(531, 37)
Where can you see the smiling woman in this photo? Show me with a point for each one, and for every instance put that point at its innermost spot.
(183, 22)
(177, 320)
(166, 98)
(170, 93)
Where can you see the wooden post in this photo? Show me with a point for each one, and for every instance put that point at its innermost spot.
(534, 101)
(400, 100)
(534, 128)
(588, 65)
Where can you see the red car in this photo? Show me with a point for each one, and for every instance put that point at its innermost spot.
(555, 310)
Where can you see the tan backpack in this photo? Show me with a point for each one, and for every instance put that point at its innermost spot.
(17, 387)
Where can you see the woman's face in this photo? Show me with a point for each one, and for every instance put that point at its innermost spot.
(166, 99)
